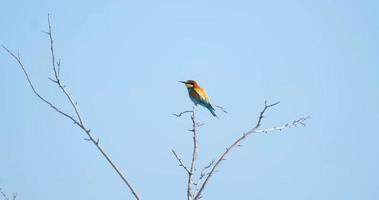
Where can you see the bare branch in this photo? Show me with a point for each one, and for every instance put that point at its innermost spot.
(18, 60)
(59, 66)
(192, 169)
(203, 174)
(181, 164)
(263, 112)
(190, 193)
(296, 123)
(78, 120)
(56, 74)
(184, 112)
(52, 48)
(243, 137)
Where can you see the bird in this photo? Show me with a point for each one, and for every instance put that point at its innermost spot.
(198, 95)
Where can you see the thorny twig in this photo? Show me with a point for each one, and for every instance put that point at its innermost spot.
(192, 169)
(203, 174)
(182, 113)
(78, 119)
(295, 123)
(195, 125)
(181, 164)
(243, 137)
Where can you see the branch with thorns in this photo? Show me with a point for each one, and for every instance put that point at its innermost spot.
(191, 170)
(203, 174)
(77, 118)
(206, 175)
(182, 113)
(181, 164)
(243, 137)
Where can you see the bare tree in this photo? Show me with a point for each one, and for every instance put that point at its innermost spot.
(196, 183)
(195, 189)
(76, 118)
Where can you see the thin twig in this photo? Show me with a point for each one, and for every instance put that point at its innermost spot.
(79, 122)
(182, 113)
(52, 48)
(295, 123)
(190, 193)
(192, 169)
(56, 74)
(18, 59)
(203, 174)
(181, 164)
(240, 139)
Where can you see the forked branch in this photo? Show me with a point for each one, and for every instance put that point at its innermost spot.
(195, 125)
(77, 119)
(300, 121)
(191, 170)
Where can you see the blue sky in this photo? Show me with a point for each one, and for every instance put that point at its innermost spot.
(121, 60)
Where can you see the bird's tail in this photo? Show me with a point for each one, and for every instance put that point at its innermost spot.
(212, 110)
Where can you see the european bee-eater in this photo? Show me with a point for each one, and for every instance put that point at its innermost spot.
(198, 95)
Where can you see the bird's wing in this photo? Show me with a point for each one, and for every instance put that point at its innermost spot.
(203, 95)
(194, 96)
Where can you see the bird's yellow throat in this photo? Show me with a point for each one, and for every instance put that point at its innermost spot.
(189, 85)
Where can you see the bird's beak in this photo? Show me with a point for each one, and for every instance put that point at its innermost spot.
(182, 82)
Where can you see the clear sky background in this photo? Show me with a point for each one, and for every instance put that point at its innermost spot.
(121, 60)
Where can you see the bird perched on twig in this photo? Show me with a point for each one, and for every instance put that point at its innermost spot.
(198, 95)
